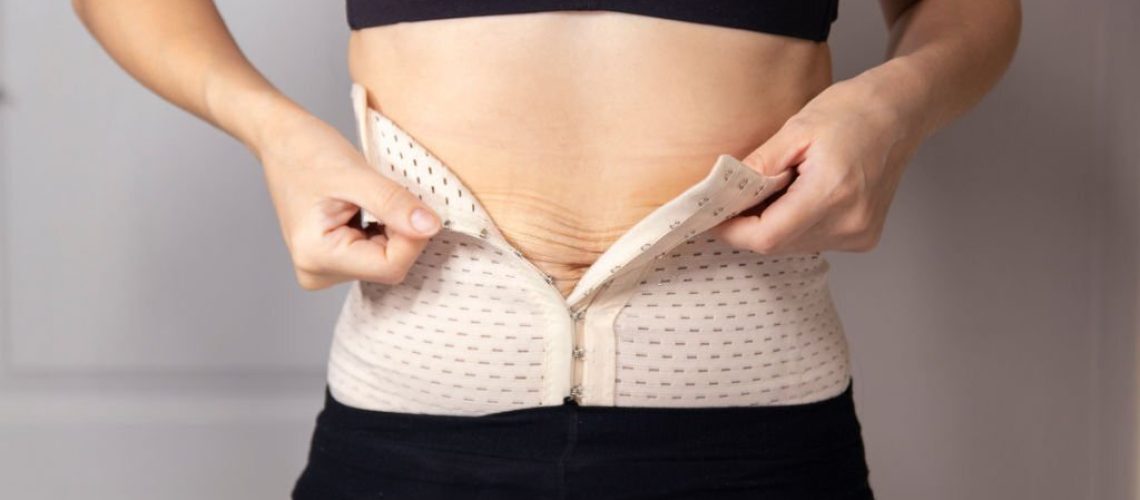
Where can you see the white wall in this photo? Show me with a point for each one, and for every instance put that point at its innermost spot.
(993, 331)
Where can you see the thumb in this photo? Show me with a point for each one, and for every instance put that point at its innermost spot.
(786, 149)
(396, 207)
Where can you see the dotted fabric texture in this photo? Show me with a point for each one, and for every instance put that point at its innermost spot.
(713, 325)
(667, 316)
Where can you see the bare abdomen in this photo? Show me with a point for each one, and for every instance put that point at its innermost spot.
(572, 126)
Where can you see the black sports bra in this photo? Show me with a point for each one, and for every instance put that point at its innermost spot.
(807, 19)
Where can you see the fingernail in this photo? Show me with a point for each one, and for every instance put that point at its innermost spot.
(423, 221)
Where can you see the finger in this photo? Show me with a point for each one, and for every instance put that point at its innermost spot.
(396, 207)
(784, 150)
(768, 200)
(777, 226)
(380, 258)
(333, 213)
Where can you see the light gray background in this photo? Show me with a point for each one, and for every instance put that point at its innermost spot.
(155, 345)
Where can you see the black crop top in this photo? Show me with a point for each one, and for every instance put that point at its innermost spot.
(807, 19)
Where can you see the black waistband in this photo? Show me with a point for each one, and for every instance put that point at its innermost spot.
(616, 433)
(807, 19)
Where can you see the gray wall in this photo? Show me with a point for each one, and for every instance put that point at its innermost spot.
(154, 341)
(993, 331)
(1115, 414)
(995, 326)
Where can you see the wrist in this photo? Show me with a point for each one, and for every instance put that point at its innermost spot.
(899, 92)
(254, 114)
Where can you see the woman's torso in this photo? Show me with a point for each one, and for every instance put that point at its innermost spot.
(556, 120)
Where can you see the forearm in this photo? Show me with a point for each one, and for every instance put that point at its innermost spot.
(182, 50)
(943, 56)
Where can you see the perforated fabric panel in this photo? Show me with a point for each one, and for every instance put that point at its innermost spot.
(667, 316)
(711, 325)
(462, 333)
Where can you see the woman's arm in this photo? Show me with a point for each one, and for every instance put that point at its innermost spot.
(182, 50)
(943, 56)
(851, 143)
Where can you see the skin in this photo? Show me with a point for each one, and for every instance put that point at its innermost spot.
(616, 115)
(850, 144)
(589, 108)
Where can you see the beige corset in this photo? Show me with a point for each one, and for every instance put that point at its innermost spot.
(666, 316)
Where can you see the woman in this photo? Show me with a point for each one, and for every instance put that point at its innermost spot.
(554, 294)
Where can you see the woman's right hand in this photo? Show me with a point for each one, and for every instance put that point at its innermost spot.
(318, 182)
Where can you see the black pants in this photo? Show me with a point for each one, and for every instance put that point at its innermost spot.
(781, 452)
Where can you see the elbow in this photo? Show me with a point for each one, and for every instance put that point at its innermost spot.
(1012, 27)
(79, 6)
(1015, 20)
(81, 9)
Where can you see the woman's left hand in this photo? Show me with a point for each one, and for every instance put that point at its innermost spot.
(849, 146)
